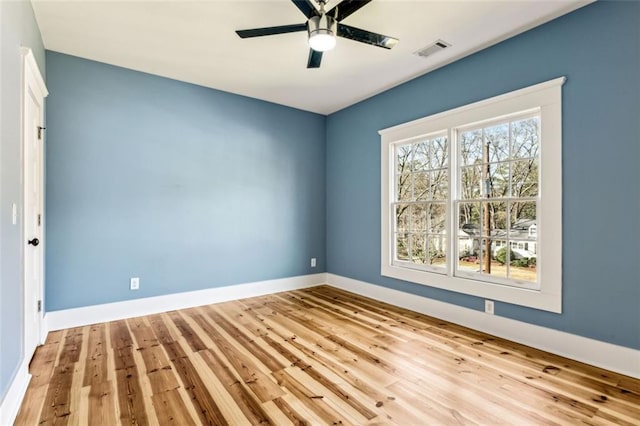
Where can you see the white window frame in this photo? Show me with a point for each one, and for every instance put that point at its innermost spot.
(545, 97)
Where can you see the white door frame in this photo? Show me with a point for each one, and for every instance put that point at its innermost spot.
(32, 86)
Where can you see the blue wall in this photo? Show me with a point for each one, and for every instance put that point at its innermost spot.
(185, 187)
(598, 49)
(17, 28)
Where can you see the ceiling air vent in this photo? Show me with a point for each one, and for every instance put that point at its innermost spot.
(432, 48)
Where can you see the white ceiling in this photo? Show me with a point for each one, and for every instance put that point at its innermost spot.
(194, 41)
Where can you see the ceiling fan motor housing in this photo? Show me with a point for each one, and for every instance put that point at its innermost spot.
(323, 29)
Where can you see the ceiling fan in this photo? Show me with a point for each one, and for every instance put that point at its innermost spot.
(323, 27)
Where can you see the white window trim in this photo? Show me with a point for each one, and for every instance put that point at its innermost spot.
(547, 97)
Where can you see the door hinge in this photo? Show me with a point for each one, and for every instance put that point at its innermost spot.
(40, 129)
(39, 305)
(39, 219)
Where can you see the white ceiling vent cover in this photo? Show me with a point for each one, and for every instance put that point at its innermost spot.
(437, 46)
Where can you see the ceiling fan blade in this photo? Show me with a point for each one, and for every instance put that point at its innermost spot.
(364, 36)
(346, 8)
(259, 32)
(314, 59)
(306, 7)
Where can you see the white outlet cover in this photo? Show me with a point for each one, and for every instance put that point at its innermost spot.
(488, 306)
(134, 283)
(313, 262)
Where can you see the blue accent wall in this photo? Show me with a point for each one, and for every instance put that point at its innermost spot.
(598, 49)
(185, 187)
(17, 28)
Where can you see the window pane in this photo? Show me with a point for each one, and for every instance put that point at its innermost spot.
(524, 134)
(439, 185)
(524, 244)
(497, 137)
(421, 186)
(496, 217)
(523, 269)
(418, 248)
(523, 260)
(403, 158)
(418, 217)
(496, 263)
(439, 153)
(499, 180)
(471, 182)
(437, 250)
(468, 254)
(471, 147)
(524, 178)
(402, 246)
(402, 212)
(437, 218)
(421, 159)
(523, 217)
(469, 219)
(403, 187)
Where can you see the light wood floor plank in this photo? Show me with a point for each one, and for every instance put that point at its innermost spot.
(314, 356)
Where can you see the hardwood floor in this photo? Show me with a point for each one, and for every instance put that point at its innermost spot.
(315, 356)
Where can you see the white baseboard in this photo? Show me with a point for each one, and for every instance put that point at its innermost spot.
(77, 317)
(605, 355)
(13, 398)
(601, 354)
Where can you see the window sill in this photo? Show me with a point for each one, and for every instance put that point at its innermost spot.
(537, 299)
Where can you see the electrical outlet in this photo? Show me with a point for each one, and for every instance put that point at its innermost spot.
(488, 306)
(313, 262)
(134, 283)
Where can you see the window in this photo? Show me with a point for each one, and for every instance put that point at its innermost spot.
(466, 205)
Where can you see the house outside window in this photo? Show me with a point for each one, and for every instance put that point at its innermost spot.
(465, 205)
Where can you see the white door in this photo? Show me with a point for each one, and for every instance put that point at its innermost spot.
(33, 168)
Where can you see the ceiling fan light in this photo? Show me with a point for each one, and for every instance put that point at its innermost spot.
(322, 42)
(322, 33)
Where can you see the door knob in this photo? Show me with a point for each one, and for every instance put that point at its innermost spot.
(34, 242)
